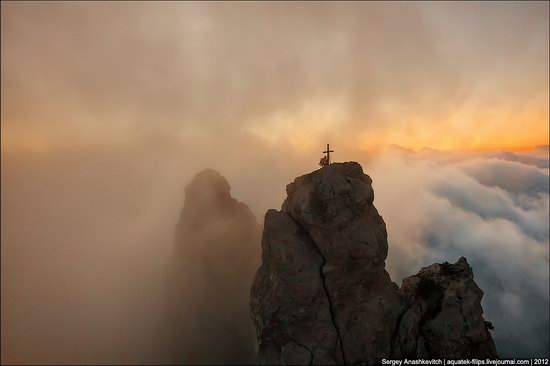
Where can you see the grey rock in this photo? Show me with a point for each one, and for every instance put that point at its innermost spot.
(289, 302)
(444, 318)
(322, 294)
(215, 256)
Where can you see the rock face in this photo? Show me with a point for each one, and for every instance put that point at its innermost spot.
(322, 294)
(216, 255)
(444, 318)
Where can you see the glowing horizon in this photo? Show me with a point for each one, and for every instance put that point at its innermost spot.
(363, 75)
(110, 108)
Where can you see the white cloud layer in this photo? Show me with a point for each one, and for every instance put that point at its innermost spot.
(492, 209)
(87, 237)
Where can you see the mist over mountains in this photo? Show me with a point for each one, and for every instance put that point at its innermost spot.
(323, 296)
(110, 109)
(491, 208)
(208, 282)
(89, 238)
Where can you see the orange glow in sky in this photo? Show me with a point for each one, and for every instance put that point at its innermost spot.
(416, 77)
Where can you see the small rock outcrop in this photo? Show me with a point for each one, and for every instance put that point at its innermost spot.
(443, 317)
(322, 294)
(215, 257)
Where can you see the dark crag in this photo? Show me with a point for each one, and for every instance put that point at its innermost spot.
(214, 261)
(322, 294)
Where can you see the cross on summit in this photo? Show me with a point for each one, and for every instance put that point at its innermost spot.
(328, 151)
(325, 160)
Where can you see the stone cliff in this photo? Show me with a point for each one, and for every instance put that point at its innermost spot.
(216, 251)
(322, 294)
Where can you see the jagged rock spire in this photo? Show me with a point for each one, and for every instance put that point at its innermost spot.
(323, 296)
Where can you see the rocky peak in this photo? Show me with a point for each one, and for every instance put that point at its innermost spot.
(444, 317)
(208, 197)
(207, 187)
(322, 294)
(334, 206)
(211, 216)
(216, 254)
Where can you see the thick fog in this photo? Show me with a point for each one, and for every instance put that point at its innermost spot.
(110, 109)
(87, 240)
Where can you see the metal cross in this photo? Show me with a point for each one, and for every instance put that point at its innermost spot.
(328, 153)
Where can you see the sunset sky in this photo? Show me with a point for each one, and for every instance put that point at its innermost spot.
(108, 109)
(364, 75)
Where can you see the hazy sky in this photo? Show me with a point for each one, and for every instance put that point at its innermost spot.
(442, 75)
(110, 108)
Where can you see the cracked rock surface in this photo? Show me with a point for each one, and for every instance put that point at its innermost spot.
(322, 294)
(444, 318)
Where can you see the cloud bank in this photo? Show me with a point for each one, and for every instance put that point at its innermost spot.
(109, 109)
(494, 211)
(87, 239)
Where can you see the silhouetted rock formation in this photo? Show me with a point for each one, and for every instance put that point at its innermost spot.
(216, 254)
(444, 317)
(323, 296)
